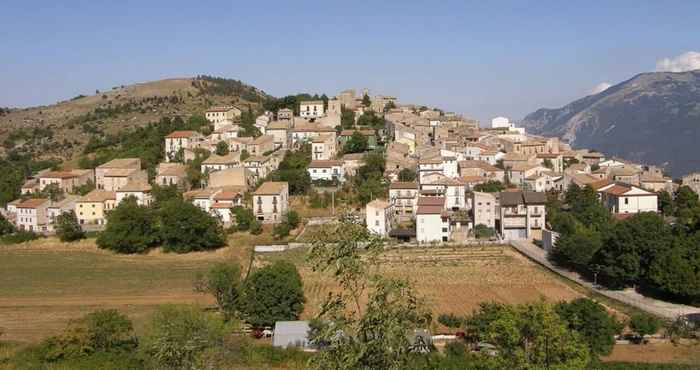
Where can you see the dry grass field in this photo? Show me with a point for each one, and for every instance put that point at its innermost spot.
(452, 280)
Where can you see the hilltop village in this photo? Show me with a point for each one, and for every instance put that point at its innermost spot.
(444, 177)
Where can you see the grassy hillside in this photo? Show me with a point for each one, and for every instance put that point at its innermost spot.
(62, 130)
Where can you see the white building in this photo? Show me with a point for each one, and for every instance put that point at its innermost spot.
(311, 109)
(326, 170)
(323, 147)
(271, 201)
(404, 197)
(431, 224)
(622, 198)
(139, 190)
(501, 122)
(182, 140)
(220, 116)
(32, 215)
(380, 217)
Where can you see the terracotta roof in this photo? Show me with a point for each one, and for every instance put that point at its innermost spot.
(135, 186)
(181, 134)
(171, 169)
(403, 185)
(354, 157)
(429, 210)
(617, 189)
(430, 161)
(256, 158)
(310, 102)
(271, 188)
(311, 127)
(119, 172)
(431, 201)
(221, 205)
(473, 179)
(227, 195)
(263, 139)
(548, 155)
(58, 175)
(200, 193)
(122, 163)
(98, 196)
(478, 164)
(230, 158)
(324, 164)
(601, 184)
(32, 203)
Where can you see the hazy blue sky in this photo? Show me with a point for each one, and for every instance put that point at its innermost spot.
(481, 58)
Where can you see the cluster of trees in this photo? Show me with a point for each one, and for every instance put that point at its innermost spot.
(267, 295)
(175, 337)
(372, 120)
(292, 102)
(292, 169)
(248, 128)
(642, 250)
(290, 221)
(218, 86)
(176, 225)
(491, 186)
(246, 221)
(16, 166)
(369, 181)
(357, 143)
(347, 118)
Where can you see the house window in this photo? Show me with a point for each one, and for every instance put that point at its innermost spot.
(627, 201)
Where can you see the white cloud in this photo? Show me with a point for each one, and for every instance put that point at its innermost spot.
(685, 62)
(599, 88)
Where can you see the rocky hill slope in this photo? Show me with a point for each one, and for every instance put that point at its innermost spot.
(63, 129)
(653, 118)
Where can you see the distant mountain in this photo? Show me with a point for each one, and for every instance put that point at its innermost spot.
(63, 129)
(653, 118)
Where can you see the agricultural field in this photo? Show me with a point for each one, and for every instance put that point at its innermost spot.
(46, 283)
(452, 280)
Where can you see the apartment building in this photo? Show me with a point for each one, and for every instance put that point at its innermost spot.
(271, 201)
(117, 172)
(32, 215)
(432, 224)
(220, 116)
(182, 140)
(262, 145)
(65, 180)
(522, 214)
(484, 209)
(92, 209)
(311, 109)
(168, 174)
(404, 197)
(323, 148)
(139, 190)
(620, 198)
(379, 217)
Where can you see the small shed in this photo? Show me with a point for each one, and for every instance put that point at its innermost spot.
(291, 334)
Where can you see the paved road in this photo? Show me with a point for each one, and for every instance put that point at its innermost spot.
(627, 296)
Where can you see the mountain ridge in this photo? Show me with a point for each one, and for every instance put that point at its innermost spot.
(653, 117)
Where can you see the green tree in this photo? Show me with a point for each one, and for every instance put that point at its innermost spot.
(68, 228)
(592, 321)
(244, 217)
(389, 106)
(677, 270)
(178, 334)
(223, 281)
(577, 248)
(483, 231)
(222, 148)
(131, 228)
(374, 335)
(665, 203)
(347, 118)
(99, 331)
(273, 293)
(527, 336)
(186, 228)
(644, 324)
(6, 227)
(631, 247)
(366, 101)
(244, 155)
(356, 144)
(407, 175)
(491, 186)
(451, 320)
